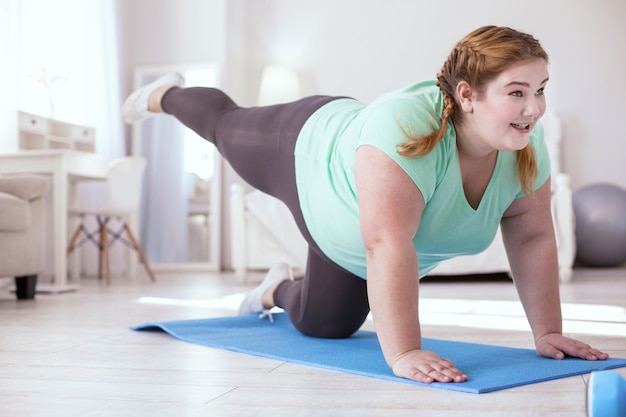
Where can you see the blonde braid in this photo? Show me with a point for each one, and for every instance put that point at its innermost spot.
(418, 146)
(527, 169)
(423, 145)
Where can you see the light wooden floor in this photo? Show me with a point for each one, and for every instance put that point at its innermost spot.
(73, 354)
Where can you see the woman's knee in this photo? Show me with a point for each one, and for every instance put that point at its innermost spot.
(331, 328)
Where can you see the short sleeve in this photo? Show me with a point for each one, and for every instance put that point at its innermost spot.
(388, 124)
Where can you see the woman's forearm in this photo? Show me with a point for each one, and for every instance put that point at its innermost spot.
(535, 270)
(393, 288)
(530, 244)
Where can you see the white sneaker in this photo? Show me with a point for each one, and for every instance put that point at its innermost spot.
(135, 108)
(252, 302)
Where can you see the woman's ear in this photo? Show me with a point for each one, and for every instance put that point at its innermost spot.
(465, 94)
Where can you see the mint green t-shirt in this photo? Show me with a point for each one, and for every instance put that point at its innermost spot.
(324, 158)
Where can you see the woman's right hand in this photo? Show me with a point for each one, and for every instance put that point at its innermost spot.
(427, 367)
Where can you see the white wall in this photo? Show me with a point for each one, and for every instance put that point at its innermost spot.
(162, 32)
(166, 32)
(363, 48)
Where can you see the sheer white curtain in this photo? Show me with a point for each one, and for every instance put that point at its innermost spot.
(68, 68)
(8, 72)
(68, 57)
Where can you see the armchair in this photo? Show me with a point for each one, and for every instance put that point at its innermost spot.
(22, 230)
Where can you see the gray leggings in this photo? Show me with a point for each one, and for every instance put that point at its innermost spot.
(259, 144)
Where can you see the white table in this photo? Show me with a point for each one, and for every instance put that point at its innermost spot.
(65, 167)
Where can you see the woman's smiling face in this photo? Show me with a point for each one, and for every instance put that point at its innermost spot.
(502, 117)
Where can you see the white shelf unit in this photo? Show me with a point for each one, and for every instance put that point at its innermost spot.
(37, 132)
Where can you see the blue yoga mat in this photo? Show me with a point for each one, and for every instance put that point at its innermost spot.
(490, 368)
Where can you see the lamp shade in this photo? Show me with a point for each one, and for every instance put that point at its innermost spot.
(279, 85)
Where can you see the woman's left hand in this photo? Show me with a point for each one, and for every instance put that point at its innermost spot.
(557, 346)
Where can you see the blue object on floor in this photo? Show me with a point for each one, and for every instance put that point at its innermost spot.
(490, 368)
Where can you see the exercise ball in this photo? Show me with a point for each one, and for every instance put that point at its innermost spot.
(600, 215)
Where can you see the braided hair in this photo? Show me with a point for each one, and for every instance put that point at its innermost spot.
(477, 59)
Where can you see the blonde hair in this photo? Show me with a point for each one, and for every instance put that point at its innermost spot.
(479, 58)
